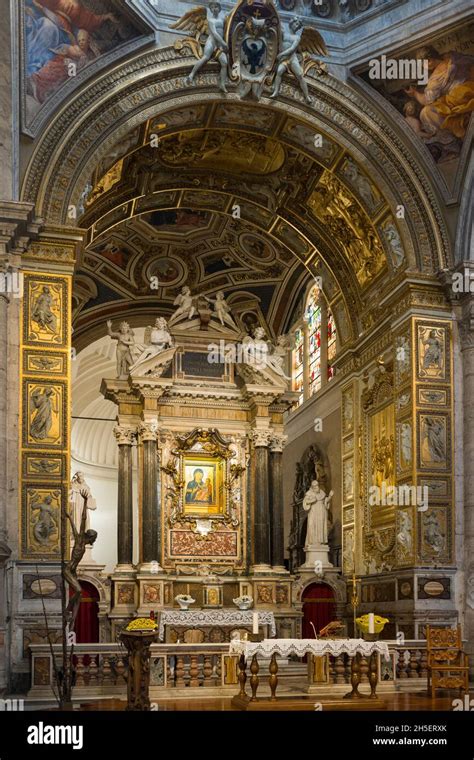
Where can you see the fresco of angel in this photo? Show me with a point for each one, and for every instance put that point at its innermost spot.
(210, 21)
(297, 39)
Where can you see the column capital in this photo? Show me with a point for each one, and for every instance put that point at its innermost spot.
(261, 437)
(148, 430)
(124, 435)
(278, 442)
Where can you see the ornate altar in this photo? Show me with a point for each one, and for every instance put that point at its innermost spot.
(203, 406)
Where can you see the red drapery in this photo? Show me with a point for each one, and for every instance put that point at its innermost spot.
(318, 608)
(87, 621)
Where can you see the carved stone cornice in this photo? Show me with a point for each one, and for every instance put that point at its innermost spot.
(18, 227)
(125, 436)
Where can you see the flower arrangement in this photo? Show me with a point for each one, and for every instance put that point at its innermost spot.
(363, 623)
(184, 600)
(142, 624)
(243, 602)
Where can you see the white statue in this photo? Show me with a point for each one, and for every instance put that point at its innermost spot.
(125, 345)
(297, 38)
(222, 309)
(317, 504)
(186, 308)
(255, 348)
(277, 358)
(211, 21)
(157, 339)
(77, 495)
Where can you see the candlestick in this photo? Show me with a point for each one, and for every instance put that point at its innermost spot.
(254, 622)
(371, 622)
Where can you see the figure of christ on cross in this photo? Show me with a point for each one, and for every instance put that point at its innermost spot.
(82, 538)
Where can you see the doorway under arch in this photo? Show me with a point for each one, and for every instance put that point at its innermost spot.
(319, 608)
(87, 621)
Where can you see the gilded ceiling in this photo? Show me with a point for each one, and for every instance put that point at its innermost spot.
(234, 197)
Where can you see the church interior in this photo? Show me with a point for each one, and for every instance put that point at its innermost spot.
(237, 355)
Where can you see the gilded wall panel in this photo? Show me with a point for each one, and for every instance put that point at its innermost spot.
(44, 437)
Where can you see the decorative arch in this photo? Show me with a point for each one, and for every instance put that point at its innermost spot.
(154, 82)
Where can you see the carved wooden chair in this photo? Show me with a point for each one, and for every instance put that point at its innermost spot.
(448, 666)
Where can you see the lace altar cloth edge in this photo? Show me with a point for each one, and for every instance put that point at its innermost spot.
(227, 618)
(300, 647)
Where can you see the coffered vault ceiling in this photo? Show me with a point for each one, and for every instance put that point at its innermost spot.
(233, 197)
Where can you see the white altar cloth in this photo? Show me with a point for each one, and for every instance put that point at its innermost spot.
(317, 647)
(224, 618)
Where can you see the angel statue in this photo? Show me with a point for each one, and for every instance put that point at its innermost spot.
(157, 339)
(222, 309)
(297, 38)
(186, 308)
(209, 21)
(125, 347)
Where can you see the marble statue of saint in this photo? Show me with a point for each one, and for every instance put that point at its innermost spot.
(76, 498)
(42, 421)
(42, 311)
(222, 309)
(186, 308)
(125, 345)
(317, 503)
(157, 339)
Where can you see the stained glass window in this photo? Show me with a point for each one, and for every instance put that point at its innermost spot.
(331, 344)
(313, 315)
(298, 365)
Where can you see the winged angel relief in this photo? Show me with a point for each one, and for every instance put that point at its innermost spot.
(251, 46)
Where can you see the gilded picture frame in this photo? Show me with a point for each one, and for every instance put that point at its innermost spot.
(203, 484)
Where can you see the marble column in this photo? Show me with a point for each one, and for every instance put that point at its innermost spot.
(261, 520)
(467, 349)
(125, 437)
(150, 499)
(276, 502)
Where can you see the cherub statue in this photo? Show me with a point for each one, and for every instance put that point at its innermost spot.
(186, 308)
(125, 344)
(157, 339)
(297, 38)
(209, 21)
(222, 309)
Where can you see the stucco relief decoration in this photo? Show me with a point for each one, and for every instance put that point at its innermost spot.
(253, 48)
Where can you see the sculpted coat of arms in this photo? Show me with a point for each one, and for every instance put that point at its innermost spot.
(252, 46)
